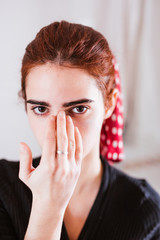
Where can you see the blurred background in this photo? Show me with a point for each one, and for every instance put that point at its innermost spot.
(132, 29)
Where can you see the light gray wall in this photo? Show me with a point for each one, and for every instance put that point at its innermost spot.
(19, 22)
(132, 29)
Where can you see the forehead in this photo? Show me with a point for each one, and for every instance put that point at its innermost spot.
(50, 81)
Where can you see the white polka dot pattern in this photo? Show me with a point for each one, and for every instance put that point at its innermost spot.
(111, 146)
(115, 155)
(115, 143)
(113, 117)
(120, 144)
(120, 120)
(114, 130)
(120, 132)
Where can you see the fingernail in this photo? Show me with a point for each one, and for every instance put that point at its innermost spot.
(76, 128)
(62, 114)
(52, 117)
(69, 118)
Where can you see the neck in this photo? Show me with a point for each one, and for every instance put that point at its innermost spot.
(91, 169)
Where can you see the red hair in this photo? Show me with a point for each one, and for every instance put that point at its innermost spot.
(73, 45)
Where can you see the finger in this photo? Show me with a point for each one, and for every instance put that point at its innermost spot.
(71, 138)
(79, 147)
(25, 161)
(62, 139)
(49, 144)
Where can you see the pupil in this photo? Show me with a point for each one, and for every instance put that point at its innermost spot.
(80, 109)
(41, 109)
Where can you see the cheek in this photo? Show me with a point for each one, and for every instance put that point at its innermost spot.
(90, 131)
(38, 127)
(89, 128)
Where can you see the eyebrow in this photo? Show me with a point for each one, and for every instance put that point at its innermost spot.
(68, 104)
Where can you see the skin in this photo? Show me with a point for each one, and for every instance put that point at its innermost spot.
(75, 129)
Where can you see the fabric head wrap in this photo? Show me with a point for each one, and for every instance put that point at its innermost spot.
(111, 145)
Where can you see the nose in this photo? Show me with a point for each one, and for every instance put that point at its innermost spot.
(55, 114)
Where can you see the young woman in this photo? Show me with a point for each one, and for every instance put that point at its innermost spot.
(71, 192)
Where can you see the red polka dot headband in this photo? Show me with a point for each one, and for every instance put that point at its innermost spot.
(111, 145)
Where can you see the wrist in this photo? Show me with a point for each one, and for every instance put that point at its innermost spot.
(47, 207)
(45, 221)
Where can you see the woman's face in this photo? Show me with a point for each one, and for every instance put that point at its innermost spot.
(51, 88)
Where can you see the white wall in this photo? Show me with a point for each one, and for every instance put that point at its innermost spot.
(128, 25)
(19, 22)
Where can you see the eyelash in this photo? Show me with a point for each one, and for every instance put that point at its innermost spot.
(70, 111)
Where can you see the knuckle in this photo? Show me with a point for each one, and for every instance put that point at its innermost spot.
(79, 154)
(51, 169)
(64, 172)
(74, 172)
(78, 149)
(64, 139)
(55, 170)
(71, 143)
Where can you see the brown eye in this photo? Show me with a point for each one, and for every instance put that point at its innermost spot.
(79, 109)
(39, 110)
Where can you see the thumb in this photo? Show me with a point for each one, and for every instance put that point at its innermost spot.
(25, 161)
